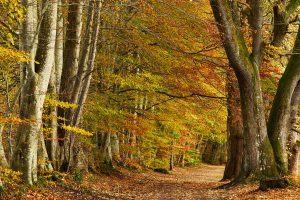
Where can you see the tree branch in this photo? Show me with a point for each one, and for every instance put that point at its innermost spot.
(190, 95)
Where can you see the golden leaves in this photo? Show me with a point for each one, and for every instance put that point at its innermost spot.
(77, 130)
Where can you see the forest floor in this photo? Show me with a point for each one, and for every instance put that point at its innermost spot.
(183, 184)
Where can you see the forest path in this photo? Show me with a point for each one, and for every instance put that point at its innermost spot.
(183, 184)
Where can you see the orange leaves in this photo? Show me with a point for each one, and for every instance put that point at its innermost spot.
(15, 120)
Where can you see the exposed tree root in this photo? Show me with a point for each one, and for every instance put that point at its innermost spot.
(272, 183)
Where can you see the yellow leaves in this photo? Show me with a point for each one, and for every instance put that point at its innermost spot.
(10, 57)
(273, 52)
(77, 130)
(61, 104)
(14, 120)
(11, 15)
(8, 176)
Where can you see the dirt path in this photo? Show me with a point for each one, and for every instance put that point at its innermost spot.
(184, 184)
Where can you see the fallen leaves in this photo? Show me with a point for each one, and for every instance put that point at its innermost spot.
(188, 184)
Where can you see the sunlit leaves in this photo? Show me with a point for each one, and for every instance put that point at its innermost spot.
(77, 130)
(9, 58)
(11, 15)
(56, 103)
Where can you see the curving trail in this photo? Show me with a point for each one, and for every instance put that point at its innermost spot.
(184, 184)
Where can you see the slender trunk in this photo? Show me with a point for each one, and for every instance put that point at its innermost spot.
(182, 159)
(87, 65)
(54, 87)
(3, 160)
(70, 62)
(86, 47)
(171, 167)
(86, 80)
(68, 76)
(43, 158)
(59, 46)
(52, 141)
(293, 160)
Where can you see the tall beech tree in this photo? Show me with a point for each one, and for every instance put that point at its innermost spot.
(79, 56)
(39, 42)
(246, 65)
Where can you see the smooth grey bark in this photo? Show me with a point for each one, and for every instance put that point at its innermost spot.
(90, 62)
(80, 91)
(54, 85)
(82, 74)
(105, 150)
(22, 160)
(43, 158)
(59, 45)
(70, 62)
(85, 49)
(115, 147)
(3, 160)
(68, 77)
(52, 141)
(37, 77)
(72, 49)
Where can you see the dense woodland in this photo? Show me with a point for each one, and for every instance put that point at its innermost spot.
(95, 86)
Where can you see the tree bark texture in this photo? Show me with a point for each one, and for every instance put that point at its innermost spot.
(279, 123)
(246, 67)
(234, 129)
(37, 77)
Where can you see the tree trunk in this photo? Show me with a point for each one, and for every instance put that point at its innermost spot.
(59, 46)
(77, 75)
(293, 144)
(68, 77)
(234, 129)
(90, 63)
(43, 158)
(36, 84)
(3, 160)
(171, 167)
(279, 123)
(105, 151)
(115, 148)
(182, 159)
(257, 159)
(70, 63)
